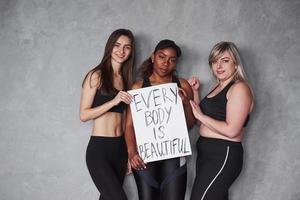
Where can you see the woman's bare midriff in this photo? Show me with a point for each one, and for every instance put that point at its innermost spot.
(108, 125)
(206, 132)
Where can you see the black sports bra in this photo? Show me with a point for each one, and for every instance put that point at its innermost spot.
(100, 99)
(215, 106)
(146, 82)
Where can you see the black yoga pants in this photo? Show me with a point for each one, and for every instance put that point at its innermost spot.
(162, 180)
(219, 163)
(106, 159)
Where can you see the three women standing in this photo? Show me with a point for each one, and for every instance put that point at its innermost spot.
(104, 101)
(222, 113)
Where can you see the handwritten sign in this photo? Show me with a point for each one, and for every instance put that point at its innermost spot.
(159, 122)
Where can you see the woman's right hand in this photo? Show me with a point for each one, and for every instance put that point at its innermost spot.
(122, 96)
(194, 83)
(196, 110)
(137, 162)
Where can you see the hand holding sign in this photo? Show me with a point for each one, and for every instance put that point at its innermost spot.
(122, 96)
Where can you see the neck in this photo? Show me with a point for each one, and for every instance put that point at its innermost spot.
(160, 80)
(223, 83)
(116, 67)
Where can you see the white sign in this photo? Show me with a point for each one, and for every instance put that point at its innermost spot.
(159, 122)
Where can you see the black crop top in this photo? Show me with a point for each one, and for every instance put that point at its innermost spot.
(100, 99)
(215, 106)
(146, 82)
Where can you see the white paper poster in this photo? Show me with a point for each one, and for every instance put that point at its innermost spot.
(159, 122)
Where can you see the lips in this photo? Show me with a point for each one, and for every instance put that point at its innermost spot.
(163, 70)
(121, 57)
(220, 72)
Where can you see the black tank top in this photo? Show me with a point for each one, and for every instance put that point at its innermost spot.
(146, 82)
(215, 106)
(100, 99)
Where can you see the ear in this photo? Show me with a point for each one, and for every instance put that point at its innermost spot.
(152, 57)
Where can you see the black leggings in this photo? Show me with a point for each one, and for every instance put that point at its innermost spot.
(162, 180)
(106, 159)
(219, 163)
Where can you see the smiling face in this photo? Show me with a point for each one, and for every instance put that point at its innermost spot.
(121, 50)
(223, 66)
(164, 62)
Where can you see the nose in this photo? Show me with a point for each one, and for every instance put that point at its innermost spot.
(218, 63)
(120, 50)
(166, 62)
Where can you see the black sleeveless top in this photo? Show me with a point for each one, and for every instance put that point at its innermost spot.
(215, 106)
(146, 82)
(100, 99)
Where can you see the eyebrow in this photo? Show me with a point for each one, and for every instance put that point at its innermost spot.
(226, 57)
(128, 44)
(160, 52)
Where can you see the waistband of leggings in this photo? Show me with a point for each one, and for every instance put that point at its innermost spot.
(94, 138)
(218, 141)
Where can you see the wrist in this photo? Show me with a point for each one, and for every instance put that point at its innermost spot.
(201, 117)
(186, 103)
(195, 91)
(114, 102)
(132, 152)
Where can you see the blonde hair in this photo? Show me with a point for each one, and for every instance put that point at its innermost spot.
(230, 47)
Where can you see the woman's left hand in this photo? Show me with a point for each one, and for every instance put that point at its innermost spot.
(196, 110)
(194, 83)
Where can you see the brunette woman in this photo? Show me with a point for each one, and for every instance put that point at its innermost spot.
(104, 100)
(165, 179)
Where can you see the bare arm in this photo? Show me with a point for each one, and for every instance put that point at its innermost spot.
(135, 160)
(187, 95)
(87, 97)
(195, 85)
(239, 105)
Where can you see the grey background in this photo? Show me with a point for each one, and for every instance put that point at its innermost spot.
(47, 46)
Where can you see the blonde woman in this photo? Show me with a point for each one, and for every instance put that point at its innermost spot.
(223, 113)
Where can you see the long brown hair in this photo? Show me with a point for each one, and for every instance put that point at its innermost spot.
(146, 68)
(105, 66)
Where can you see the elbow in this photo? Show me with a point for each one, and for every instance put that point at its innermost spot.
(233, 133)
(83, 117)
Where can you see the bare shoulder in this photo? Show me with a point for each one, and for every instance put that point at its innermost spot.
(93, 79)
(186, 87)
(138, 84)
(184, 84)
(240, 87)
